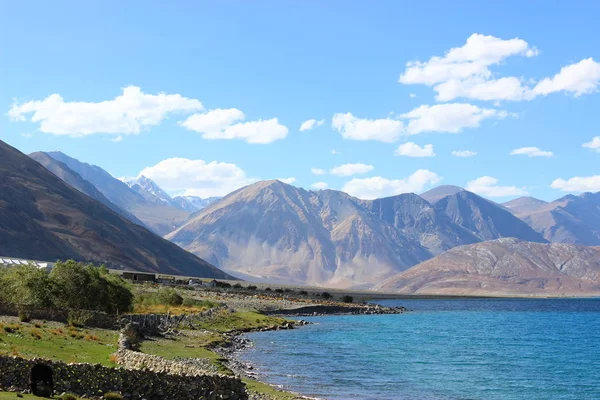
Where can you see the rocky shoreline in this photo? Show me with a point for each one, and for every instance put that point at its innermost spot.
(236, 342)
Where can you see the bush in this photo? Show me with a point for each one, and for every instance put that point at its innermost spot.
(267, 289)
(303, 293)
(278, 290)
(326, 295)
(169, 297)
(347, 299)
(24, 317)
(69, 396)
(237, 286)
(251, 287)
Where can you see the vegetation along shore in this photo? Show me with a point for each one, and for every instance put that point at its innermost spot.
(81, 317)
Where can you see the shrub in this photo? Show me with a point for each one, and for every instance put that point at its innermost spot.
(79, 318)
(347, 299)
(112, 396)
(69, 396)
(326, 295)
(287, 290)
(251, 287)
(278, 290)
(303, 293)
(169, 297)
(237, 286)
(267, 289)
(24, 317)
(8, 329)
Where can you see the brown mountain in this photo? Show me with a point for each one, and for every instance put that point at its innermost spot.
(524, 205)
(160, 218)
(280, 232)
(570, 219)
(43, 218)
(504, 267)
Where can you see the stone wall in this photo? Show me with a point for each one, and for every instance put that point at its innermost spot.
(94, 380)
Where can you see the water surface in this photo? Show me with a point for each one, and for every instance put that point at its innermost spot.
(444, 349)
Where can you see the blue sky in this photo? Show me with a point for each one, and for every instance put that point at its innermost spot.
(239, 78)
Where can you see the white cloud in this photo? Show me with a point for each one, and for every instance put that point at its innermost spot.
(412, 95)
(531, 152)
(334, 151)
(27, 135)
(450, 117)
(351, 169)
(197, 177)
(118, 139)
(310, 124)
(464, 153)
(488, 186)
(580, 78)
(318, 171)
(384, 130)
(593, 144)
(128, 113)
(578, 184)
(289, 180)
(377, 187)
(411, 149)
(320, 185)
(507, 88)
(471, 60)
(225, 124)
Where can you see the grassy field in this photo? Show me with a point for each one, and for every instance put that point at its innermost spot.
(226, 321)
(55, 341)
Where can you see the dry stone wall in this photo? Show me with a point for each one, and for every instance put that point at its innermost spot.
(94, 380)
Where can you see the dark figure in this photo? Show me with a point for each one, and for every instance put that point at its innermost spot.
(41, 373)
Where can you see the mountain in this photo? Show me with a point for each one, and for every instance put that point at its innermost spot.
(504, 266)
(160, 218)
(274, 230)
(43, 218)
(149, 190)
(570, 219)
(75, 180)
(439, 192)
(485, 219)
(524, 205)
(193, 203)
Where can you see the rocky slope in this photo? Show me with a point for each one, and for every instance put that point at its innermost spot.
(524, 205)
(570, 219)
(276, 231)
(43, 218)
(504, 267)
(193, 203)
(160, 218)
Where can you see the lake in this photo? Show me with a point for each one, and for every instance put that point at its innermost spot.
(442, 349)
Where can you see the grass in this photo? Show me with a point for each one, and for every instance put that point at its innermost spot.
(226, 321)
(57, 342)
(163, 309)
(267, 390)
(13, 396)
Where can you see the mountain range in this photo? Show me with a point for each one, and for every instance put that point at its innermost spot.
(44, 218)
(277, 232)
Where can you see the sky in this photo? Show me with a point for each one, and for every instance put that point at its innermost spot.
(373, 98)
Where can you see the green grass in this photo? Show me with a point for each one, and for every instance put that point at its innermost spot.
(267, 390)
(226, 321)
(13, 396)
(54, 342)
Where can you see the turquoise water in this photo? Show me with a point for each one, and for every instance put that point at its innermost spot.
(444, 349)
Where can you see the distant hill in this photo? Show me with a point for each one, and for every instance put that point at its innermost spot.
(43, 218)
(193, 203)
(161, 218)
(523, 206)
(504, 266)
(149, 190)
(570, 219)
(439, 192)
(277, 231)
(75, 180)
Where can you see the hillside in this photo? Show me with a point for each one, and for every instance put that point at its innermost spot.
(43, 218)
(504, 267)
(160, 218)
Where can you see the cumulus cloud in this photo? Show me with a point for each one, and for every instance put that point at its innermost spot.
(488, 186)
(464, 153)
(289, 180)
(593, 144)
(334, 152)
(531, 152)
(580, 78)
(412, 95)
(197, 177)
(449, 117)
(377, 187)
(578, 184)
(351, 169)
(118, 139)
(464, 72)
(129, 113)
(225, 124)
(310, 124)
(318, 171)
(320, 185)
(384, 129)
(411, 149)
